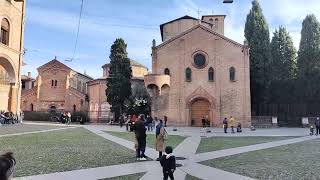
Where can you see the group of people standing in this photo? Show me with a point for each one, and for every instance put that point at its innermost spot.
(65, 117)
(232, 123)
(167, 159)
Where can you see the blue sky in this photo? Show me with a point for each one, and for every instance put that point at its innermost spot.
(51, 26)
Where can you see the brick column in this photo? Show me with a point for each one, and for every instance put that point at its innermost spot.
(12, 106)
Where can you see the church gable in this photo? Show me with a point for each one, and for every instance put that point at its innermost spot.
(205, 29)
(54, 66)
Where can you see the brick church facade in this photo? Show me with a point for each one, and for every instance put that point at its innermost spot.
(198, 73)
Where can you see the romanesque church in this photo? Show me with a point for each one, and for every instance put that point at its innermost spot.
(197, 73)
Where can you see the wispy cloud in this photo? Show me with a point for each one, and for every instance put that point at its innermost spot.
(51, 26)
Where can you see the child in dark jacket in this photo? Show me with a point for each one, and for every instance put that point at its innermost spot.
(168, 163)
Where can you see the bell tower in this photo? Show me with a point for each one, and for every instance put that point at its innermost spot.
(216, 22)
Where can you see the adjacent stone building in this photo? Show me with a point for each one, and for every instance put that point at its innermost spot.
(199, 73)
(57, 88)
(11, 48)
(99, 108)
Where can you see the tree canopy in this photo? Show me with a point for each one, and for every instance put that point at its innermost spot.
(119, 80)
(257, 34)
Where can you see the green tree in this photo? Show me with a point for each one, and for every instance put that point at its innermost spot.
(140, 100)
(257, 34)
(309, 61)
(119, 81)
(283, 63)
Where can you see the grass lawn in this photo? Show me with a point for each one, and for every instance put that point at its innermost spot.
(290, 162)
(21, 128)
(63, 150)
(219, 143)
(173, 140)
(127, 177)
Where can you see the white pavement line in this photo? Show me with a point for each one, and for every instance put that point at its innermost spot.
(158, 175)
(187, 147)
(96, 173)
(34, 132)
(152, 153)
(244, 149)
(209, 173)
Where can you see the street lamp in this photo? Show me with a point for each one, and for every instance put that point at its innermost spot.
(227, 1)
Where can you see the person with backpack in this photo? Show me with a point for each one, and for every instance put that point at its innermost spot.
(161, 135)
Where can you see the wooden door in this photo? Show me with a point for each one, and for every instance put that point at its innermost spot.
(199, 109)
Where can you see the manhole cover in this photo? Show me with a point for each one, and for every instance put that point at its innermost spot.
(180, 158)
(178, 165)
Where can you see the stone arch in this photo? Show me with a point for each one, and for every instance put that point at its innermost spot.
(7, 64)
(165, 89)
(153, 90)
(201, 94)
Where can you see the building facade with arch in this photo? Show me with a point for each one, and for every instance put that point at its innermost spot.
(99, 108)
(11, 48)
(198, 73)
(57, 88)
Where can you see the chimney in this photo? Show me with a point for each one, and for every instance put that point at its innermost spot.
(154, 43)
(29, 74)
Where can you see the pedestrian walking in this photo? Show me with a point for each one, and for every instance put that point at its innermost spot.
(161, 136)
(68, 118)
(140, 133)
(128, 119)
(225, 125)
(165, 118)
(317, 124)
(168, 163)
(232, 122)
(149, 123)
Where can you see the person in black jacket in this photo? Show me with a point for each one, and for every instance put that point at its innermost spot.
(7, 166)
(168, 163)
(140, 132)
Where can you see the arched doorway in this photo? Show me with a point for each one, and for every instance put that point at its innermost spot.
(7, 84)
(53, 109)
(200, 108)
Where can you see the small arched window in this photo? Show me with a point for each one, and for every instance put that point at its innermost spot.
(211, 20)
(232, 72)
(31, 107)
(166, 71)
(216, 22)
(74, 108)
(52, 83)
(55, 83)
(5, 31)
(188, 74)
(211, 74)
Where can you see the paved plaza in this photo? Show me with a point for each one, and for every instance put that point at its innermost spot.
(187, 149)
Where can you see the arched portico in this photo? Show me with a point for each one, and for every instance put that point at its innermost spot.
(8, 85)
